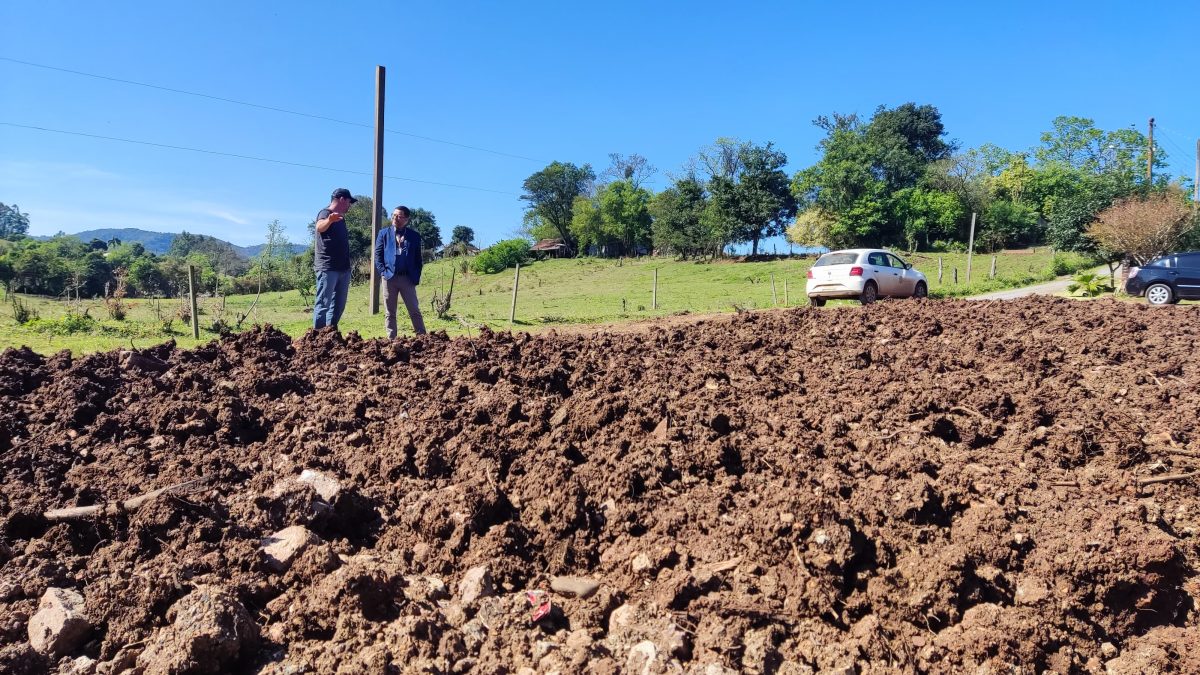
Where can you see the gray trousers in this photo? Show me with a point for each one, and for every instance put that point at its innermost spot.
(400, 286)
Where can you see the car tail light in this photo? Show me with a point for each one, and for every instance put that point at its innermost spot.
(856, 271)
(809, 274)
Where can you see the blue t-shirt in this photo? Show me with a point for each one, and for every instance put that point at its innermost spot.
(332, 252)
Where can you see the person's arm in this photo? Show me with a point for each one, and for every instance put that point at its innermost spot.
(330, 218)
(380, 244)
(420, 261)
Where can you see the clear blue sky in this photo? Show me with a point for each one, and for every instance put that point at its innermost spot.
(541, 80)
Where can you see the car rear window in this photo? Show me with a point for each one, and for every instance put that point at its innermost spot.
(1162, 262)
(837, 259)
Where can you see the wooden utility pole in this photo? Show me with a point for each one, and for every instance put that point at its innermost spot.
(377, 193)
(1150, 158)
(192, 293)
(1196, 182)
(970, 248)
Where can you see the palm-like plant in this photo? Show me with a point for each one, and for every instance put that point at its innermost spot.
(1089, 284)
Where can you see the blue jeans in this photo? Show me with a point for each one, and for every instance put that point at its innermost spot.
(332, 288)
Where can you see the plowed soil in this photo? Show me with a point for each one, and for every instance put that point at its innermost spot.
(995, 487)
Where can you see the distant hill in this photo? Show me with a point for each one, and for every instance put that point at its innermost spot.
(160, 242)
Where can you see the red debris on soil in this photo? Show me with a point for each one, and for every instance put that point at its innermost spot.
(909, 486)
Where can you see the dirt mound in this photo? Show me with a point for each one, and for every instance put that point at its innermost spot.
(913, 486)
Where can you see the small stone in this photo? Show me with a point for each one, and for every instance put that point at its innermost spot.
(641, 563)
(323, 484)
(641, 658)
(579, 587)
(282, 548)
(83, 665)
(59, 626)
(475, 585)
(1108, 649)
(1031, 590)
(787, 518)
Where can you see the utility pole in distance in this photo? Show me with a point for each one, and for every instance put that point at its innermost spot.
(377, 193)
(1150, 158)
(1196, 181)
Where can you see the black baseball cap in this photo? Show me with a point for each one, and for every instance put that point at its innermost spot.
(343, 192)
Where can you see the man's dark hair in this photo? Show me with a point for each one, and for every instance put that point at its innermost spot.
(404, 210)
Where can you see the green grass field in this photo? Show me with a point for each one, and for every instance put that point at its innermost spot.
(551, 293)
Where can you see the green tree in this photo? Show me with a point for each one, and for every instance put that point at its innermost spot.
(551, 194)
(625, 214)
(501, 256)
(424, 222)
(811, 228)
(587, 226)
(462, 235)
(863, 166)
(1007, 224)
(927, 215)
(146, 278)
(13, 223)
(678, 226)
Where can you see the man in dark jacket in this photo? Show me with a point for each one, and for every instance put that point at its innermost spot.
(331, 260)
(398, 261)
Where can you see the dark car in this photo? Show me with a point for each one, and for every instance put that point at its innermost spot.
(1167, 279)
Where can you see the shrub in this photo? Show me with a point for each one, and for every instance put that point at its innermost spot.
(501, 256)
(1065, 262)
(21, 312)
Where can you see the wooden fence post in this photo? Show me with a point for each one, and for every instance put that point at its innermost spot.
(939, 270)
(774, 295)
(785, 293)
(654, 292)
(192, 293)
(955, 276)
(512, 314)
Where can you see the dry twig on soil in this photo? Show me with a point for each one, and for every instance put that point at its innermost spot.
(1142, 482)
(119, 507)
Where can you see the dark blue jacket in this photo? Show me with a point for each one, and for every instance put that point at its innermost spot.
(385, 254)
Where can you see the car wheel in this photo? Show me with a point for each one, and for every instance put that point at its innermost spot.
(817, 302)
(921, 291)
(1159, 294)
(870, 293)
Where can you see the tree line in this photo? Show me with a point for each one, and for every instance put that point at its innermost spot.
(890, 180)
(66, 266)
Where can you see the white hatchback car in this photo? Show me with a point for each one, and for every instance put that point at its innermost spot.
(863, 274)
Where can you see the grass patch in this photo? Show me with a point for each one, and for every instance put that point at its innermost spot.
(551, 293)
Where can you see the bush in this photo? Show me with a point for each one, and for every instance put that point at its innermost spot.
(1065, 262)
(501, 256)
(70, 324)
(21, 312)
(944, 246)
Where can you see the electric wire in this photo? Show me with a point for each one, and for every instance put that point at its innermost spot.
(251, 157)
(271, 108)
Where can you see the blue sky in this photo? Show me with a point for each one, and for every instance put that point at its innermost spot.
(536, 81)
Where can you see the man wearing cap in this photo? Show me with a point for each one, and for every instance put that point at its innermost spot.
(398, 261)
(332, 260)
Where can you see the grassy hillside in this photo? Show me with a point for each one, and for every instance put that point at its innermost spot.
(551, 293)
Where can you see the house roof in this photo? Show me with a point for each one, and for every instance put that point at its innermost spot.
(548, 245)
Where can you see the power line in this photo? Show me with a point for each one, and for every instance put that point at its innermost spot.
(271, 108)
(250, 157)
